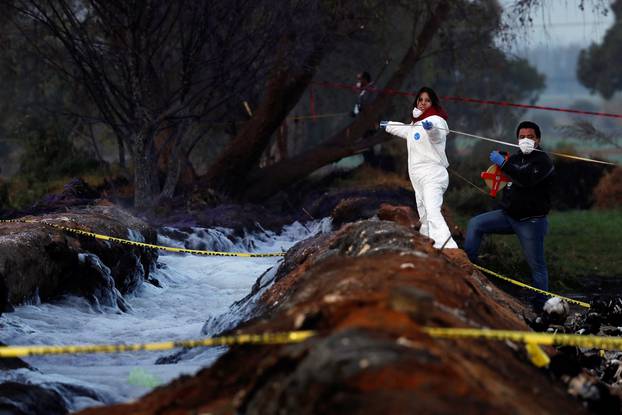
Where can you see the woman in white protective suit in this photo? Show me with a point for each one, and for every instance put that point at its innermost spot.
(427, 163)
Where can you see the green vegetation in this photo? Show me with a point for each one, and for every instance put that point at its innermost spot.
(602, 59)
(48, 154)
(20, 193)
(580, 244)
(48, 160)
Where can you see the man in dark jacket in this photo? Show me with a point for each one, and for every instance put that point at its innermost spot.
(524, 205)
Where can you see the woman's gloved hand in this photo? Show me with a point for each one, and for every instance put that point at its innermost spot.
(427, 125)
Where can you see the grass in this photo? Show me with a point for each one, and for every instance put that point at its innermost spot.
(580, 244)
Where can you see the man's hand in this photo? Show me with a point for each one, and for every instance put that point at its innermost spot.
(427, 125)
(383, 124)
(497, 158)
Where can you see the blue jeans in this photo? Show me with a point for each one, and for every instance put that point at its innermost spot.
(530, 233)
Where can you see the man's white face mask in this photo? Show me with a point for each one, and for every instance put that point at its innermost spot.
(359, 84)
(417, 112)
(526, 145)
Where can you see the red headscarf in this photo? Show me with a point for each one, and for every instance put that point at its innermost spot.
(432, 111)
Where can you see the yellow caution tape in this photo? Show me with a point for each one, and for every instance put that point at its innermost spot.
(538, 357)
(163, 248)
(527, 337)
(522, 284)
(146, 245)
(240, 339)
(530, 339)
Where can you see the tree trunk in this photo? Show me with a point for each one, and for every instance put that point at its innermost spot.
(121, 149)
(145, 181)
(176, 163)
(267, 181)
(228, 172)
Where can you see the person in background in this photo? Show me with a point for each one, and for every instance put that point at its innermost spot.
(365, 96)
(525, 203)
(427, 163)
(364, 85)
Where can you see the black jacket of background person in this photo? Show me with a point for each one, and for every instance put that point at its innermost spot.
(529, 193)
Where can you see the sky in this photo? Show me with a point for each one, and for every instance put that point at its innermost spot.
(560, 30)
(562, 23)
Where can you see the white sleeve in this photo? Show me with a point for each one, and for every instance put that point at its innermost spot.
(399, 129)
(439, 129)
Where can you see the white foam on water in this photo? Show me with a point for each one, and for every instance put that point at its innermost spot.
(194, 289)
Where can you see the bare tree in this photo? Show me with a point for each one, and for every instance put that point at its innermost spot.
(156, 66)
(585, 130)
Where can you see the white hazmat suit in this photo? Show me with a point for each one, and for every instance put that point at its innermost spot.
(427, 168)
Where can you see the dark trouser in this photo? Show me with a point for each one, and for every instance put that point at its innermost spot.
(530, 233)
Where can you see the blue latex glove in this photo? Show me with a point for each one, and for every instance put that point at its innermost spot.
(497, 158)
(427, 125)
(383, 124)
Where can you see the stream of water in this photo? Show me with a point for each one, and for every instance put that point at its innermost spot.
(193, 289)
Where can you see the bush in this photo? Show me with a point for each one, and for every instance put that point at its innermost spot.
(49, 155)
(48, 160)
(574, 184)
(608, 192)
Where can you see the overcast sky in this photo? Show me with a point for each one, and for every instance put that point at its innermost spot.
(561, 22)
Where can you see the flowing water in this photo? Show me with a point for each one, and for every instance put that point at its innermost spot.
(193, 290)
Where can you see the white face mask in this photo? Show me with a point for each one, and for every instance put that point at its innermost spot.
(417, 112)
(359, 84)
(526, 145)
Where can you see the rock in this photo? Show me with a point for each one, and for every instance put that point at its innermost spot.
(27, 399)
(602, 315)
(609, 310)
(458, 257)
(404, 215)
(594, 393)
(556, 310)
(368, 288)
(40, 263)
(4, 296)
(97, 283)
(50, 397)
(353, 209)
(10, 363)
(322, 204)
